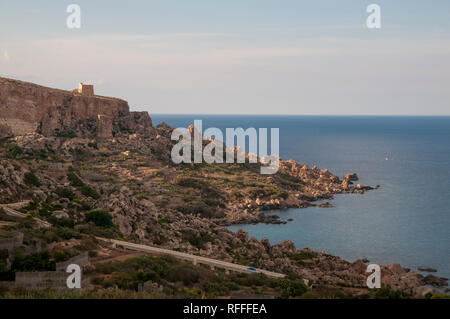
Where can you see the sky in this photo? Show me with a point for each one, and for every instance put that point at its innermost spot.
(238, 56)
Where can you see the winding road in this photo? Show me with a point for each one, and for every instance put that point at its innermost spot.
(12, 212)
(192, 258)
(156, 250)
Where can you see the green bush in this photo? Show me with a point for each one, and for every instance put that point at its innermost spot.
(62, 222)
(31, 179)
(33, 205)
(60, 256)
(197, 239)
(100, 218)
(223, 284)
(292, 286)
(130, 280)
(84, 206)
(216, 288)
(304, 255)
(128, 274)
(185, 273)
(386, 292)
(250, 279)
(164, 220)
(46, 207)
(56, 234)
(35, 262)
(65, 193)
(12, 151)
(37, 154)
(89, 192)
(74, 179)
(69, 134)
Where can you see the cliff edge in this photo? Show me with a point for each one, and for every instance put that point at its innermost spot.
(27, 107)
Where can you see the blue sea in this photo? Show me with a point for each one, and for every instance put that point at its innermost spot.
(407, 220)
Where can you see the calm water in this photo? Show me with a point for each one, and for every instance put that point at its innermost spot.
(407, 220)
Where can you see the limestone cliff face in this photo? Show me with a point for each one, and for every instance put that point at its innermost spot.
(27, 107)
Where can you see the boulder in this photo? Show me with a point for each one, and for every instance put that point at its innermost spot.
(242, 235)
(60, 214)
(435, 281)
(396, 269)
(325, 205)
(265, 242)
(422, 291)
(427, 269)
(351, 177)
(285, 248)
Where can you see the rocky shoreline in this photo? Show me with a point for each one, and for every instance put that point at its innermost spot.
(124, 171)
(252, 211)
(151, 220)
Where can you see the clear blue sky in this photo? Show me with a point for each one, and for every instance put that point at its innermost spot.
(228, 56)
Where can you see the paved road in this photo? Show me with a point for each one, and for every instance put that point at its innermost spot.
(161, 251)
(13, 212)
(193, 258)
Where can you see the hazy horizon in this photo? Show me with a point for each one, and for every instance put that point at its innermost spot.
(276, 114)
(253, 57)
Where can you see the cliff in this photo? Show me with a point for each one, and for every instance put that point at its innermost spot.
(26, 107)
(136, 193)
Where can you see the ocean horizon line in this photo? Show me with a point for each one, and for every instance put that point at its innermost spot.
(305, 115)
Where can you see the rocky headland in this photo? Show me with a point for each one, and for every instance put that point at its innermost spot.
(68, 155)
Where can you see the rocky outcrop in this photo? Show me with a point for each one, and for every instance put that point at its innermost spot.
(435, 281)
(127, 161)
(136, 122)
(353, 177)
(27, 107)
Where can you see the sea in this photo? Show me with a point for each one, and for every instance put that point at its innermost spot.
(406, 220)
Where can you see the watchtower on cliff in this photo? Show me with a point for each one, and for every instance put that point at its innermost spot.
(86, 89)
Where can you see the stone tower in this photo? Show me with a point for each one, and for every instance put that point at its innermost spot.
(86, 89)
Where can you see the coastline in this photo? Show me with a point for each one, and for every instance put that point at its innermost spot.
(130, 182)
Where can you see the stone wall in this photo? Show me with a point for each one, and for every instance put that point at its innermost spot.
(46, 279)
(86, 89)
(42, 279)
